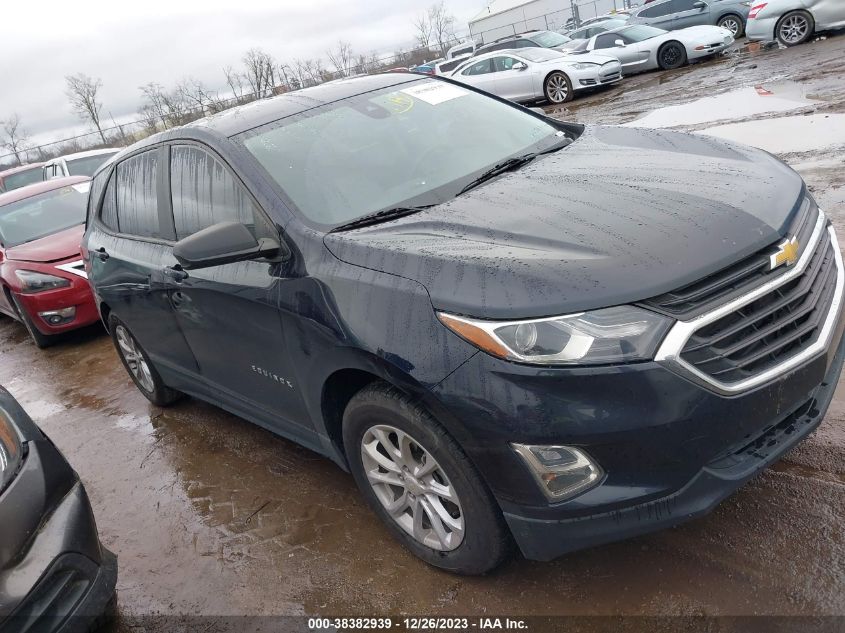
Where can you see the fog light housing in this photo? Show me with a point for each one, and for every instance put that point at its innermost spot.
(561, 471)
(58, 317)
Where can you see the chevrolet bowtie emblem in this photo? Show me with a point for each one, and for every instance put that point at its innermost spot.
(787, 253)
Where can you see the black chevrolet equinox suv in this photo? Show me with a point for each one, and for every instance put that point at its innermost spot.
(508, 328)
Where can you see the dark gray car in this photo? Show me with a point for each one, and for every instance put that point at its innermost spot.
(679, 14)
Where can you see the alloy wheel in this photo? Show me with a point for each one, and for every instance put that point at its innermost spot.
(732, 24)
(134, 358)
(670, 56)
(794, 29)
(412, 487)
(557, 90)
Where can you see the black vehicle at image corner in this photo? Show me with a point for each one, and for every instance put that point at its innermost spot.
(508, 328)
(55, 576)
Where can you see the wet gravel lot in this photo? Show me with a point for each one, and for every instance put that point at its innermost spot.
(211, 515)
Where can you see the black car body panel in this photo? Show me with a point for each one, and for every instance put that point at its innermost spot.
(54, 573)
(603, 222)
(618, 216)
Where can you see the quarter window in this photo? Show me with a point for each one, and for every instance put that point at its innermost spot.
(108, 213)
(137, 195)
(205, 193)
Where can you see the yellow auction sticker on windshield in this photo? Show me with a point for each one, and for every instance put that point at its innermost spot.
(435, 92)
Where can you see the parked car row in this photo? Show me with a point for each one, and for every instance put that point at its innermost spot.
(542, 65)
(77, 164)
(445, 316)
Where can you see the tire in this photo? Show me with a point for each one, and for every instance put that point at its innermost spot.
(477, 539)
(41, 340)
(794, 28)
(558, 88)
(671, 55)
(138, 365)
(733, 23)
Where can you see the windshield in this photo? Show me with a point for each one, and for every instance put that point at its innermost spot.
(22, 178)
(415, 144)
(549, 39)
(88, 165)
(42, 215)
(640, 32)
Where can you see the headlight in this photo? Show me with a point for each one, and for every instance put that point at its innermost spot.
(32, 281)
(585, 65)
(610, 335)
(11, 452)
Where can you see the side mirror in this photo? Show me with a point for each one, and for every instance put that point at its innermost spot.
(619, 43)
(223, 243)
(700, 5)
(519, 66)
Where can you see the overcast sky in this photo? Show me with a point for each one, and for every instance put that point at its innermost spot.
(131, 43)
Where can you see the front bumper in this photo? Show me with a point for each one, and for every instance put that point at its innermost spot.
(671, 449)
(77, 295)
(761, 29)
(54, 573)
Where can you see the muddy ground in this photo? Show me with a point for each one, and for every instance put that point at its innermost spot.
(211, 515)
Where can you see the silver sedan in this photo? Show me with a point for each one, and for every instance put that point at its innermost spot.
(641, 47)
(532, 74)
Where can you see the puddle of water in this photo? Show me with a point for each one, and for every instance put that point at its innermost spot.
(785, 135)
(736, 104)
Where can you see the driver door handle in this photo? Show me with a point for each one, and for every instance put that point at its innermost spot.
(175, 273)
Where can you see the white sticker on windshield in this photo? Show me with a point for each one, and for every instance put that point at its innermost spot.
(435, 92)
(82, 187)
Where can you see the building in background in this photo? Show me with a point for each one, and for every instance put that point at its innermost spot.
(508, 17)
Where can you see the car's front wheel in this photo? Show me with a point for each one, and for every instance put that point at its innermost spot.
(794, 28)
(138, 365)
(41, 340)
(418, 480)
(732, 23)
(558, 88)
(672, 55)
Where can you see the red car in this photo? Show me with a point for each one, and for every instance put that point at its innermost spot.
(21, 176)
(44, 284)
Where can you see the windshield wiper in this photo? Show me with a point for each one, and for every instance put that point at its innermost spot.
(380, 216)
(511, 164)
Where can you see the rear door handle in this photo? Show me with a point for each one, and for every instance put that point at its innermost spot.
(175, 273)
(102, 254)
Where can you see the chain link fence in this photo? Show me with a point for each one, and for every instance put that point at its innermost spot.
(488, 29)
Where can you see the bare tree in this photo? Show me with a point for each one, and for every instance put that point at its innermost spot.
(260, 72)
(193, 93)
(422, 30)
(82, 92)
(442, 25)
(14, 136)
(341, 57)
(169, 108)
(235, 80)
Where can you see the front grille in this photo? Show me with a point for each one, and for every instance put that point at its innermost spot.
(726, 284)
(771, 329)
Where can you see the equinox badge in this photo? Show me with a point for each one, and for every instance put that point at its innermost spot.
(787, 253)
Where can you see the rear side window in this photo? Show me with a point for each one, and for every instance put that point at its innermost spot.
(657, 11)
(479, 68)
(608, 40)
(137, 195)
(205, 193)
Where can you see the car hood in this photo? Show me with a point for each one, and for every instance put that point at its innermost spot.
(589, 57)
(705, 31)
(620, 215)
(52, 248)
